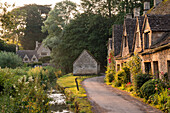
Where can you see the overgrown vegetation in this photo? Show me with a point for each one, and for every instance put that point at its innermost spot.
(154, 91)
(10, 60)
(77, 100)
(25, 89)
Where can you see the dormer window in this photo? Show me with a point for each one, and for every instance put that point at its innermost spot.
(26, 59)
(110, 43)
(146, 38)
(137, 40)
(33, 59)
(125, 41)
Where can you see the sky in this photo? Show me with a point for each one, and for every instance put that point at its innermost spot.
(39, 2)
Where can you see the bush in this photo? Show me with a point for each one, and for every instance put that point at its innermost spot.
(151, 87)
(109, 75)
(122, 76)
(139, 80)
(10, 60)
(45, 59)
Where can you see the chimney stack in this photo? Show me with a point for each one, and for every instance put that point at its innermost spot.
(129, 16)
(37, 44)
(136, 12)
(156, 2)
(146, 6)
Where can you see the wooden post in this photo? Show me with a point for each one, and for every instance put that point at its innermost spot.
(77, 84)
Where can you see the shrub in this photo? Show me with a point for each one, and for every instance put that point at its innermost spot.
(139, 80)
(45, 59)
(10, 60)
(134, 65)
(151, 87)
(109, 75)
(122, 76)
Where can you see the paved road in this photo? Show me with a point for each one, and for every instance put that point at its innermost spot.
(106, 99)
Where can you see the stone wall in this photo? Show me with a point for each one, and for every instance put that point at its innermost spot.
(162, 57)
(85, 65)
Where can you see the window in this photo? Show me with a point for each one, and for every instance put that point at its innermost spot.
(118, 67)
(137, 40)
(156, 69)
(110, 41)
(147, 67)
(25, 59)
(125, 41)
(147, 40)
(34, 59)
(43, 53)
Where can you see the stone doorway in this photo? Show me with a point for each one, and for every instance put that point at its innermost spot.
(156, 69)
(147, 67)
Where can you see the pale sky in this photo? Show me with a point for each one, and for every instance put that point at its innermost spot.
(39, 2)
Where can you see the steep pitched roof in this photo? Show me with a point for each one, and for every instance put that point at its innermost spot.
(165, 39)
(130, 29)
(29, 53)
(162, 9)
(159, 22)
(140, 22)
(88, 52)
(117, 31)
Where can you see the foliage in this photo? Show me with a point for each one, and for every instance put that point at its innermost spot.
(122, 76)
(161, 100)
(109, 77)
(24, 89)
(10, 60)
(45, 59)
(151, 87)
(134, 64)
(7, 47)
(80, 34)
(25, 25)
(78, 98)
(139, 80)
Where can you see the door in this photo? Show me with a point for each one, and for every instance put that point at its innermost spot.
(156, 69)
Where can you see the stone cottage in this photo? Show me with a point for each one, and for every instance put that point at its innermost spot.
(150, 39)
(29, 56)
(86, 64)
(126, 43)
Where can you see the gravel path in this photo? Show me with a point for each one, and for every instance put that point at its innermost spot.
(106, 99)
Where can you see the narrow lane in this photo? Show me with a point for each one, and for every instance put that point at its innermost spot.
(106, 99)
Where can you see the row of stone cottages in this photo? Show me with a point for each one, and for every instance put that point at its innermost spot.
(148, 36)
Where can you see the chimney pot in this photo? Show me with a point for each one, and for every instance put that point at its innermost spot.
(146, 6)
(156, 2)
(129, 16)
(136, 12)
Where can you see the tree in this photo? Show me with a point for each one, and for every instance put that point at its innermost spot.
(58, 18)
(25, 24)
(86, 31)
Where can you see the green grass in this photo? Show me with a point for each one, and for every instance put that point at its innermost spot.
(78, 98)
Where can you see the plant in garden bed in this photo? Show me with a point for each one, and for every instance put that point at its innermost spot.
(110, 69)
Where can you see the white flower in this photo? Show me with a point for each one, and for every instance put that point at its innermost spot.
(30, 79)
(35, 88)
(24, 78)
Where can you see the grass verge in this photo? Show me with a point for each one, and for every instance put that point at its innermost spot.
(77, 100)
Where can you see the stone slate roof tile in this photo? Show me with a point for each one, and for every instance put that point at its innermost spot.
(29, 53)
(162, 9)
(117, 32)
(130, 28)
(165, 39)
(159, 22)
